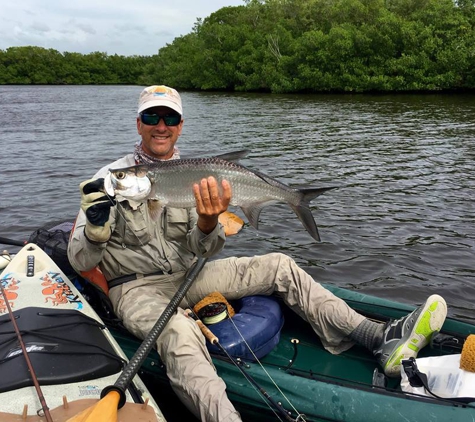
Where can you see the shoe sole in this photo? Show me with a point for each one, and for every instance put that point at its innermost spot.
(430, 321)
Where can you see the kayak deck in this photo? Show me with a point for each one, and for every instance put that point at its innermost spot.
(72, 353)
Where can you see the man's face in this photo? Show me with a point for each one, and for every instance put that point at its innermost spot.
(159, 140)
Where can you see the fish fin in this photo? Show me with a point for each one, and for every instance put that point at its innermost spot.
(306, 217)
(303, 212)
(233, 156)
(155, 208)
(252, 213)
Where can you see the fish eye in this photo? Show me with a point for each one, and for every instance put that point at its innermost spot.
(121, 175)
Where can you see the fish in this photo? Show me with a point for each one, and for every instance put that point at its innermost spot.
(170, 183)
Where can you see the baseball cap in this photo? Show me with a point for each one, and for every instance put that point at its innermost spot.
(160, 95)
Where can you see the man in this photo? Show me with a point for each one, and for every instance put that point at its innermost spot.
(145, 261)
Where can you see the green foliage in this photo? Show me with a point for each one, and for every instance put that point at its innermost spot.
(38, 66)
(331, 45)
(287, 46)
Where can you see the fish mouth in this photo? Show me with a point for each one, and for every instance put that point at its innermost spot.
(109, 185)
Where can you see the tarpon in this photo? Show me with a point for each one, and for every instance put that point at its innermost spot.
(170, 183)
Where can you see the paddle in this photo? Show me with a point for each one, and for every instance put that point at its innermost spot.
(113, 397)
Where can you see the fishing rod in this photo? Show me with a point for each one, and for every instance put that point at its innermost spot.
(41, 397)
(213, 339)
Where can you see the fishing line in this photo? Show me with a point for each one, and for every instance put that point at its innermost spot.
(263, 397)
(275, 407)
(299, 415)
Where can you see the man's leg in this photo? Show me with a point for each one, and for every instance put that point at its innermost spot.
(181, 347)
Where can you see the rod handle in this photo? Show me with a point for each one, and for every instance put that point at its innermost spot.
(204, 329)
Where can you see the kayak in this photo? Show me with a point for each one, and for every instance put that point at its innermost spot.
(72, 354)
(288, 375)
(313, 385)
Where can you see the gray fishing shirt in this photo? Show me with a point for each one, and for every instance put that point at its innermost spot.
(139, 244)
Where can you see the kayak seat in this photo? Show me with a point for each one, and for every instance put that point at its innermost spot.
(258, 320)
(64, 346)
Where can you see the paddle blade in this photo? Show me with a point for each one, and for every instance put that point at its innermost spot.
(231, 222)
(105, 410)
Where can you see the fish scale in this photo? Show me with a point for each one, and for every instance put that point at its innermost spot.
(171, 183)
(247, 186)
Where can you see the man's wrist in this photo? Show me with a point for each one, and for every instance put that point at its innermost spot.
(207, 225)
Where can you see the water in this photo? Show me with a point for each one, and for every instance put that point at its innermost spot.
(400, 225)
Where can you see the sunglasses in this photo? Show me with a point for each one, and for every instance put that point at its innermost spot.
(154, 119)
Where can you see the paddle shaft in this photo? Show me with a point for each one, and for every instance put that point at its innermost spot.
(141, 354)
(6, 241)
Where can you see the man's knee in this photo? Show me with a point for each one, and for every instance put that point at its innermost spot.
(277, 261)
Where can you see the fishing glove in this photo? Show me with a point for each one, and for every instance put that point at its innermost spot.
(97, 206)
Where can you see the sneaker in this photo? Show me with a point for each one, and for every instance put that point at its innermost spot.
(403, 338)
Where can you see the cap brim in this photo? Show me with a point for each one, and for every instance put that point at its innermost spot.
(160, 102)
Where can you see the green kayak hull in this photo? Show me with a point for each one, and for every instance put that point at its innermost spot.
(307, 380)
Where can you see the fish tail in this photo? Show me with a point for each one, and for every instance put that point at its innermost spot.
(303, 212)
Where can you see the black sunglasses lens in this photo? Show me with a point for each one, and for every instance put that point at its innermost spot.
(172, 120)
(154, 119)
(149, 119)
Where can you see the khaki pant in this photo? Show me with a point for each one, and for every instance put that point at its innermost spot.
(182, 347)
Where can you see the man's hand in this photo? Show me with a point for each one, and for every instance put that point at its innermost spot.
(96, 205)
(210, 203)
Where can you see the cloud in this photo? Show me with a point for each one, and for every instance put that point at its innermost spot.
(88, 29)
(140, 27)
(39, 27)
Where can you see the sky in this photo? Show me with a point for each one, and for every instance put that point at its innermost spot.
(133, 27)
